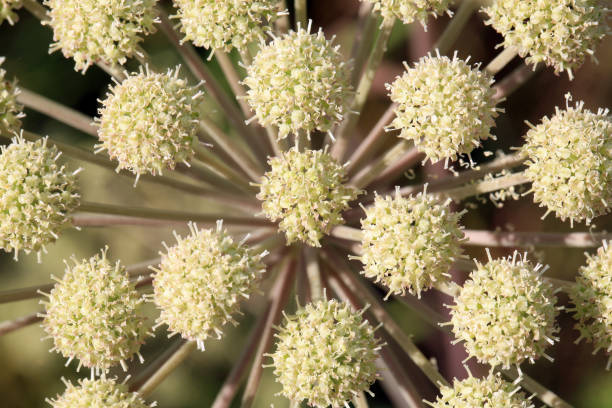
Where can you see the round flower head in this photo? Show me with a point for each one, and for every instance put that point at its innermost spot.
(410, 243)
(570, 163)
(299, 83)
(505, 313)
(92, 314)
(99, 393)
(325, 354)
(559, 33)
(93, 30)
(10, 110)
(7, 11)
(225, 24)
(445, 106)
(149, 122)
(408, 11)
(36, 196)
(592, 297)
(305, 191)
(201, 281)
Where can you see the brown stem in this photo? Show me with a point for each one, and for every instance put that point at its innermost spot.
(9, 326)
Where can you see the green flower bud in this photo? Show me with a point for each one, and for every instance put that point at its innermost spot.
(7, 11)
(100, 393)
(408, 11)
(10, 110)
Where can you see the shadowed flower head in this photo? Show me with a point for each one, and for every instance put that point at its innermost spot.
(10, 110)
(8, 10)
(100, 393)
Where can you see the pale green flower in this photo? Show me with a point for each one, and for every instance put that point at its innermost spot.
(10, 109)
(408, 11)
(98, 393)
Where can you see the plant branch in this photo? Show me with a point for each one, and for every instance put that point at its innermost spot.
(9, 326)
(233, 79)
(313, 272)
(456, 25)
(536, 238)
(514, 80)
(300, 13)
(485, 186)
(370, 172)
(501, 60)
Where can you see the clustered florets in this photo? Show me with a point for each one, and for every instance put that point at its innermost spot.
(7, 10)
(92, 30)
(505, 313)
(411, 10)
(149, 122)
(305, 191)
(570, 163)
(559, 33)
(325, 354)
(36, 195)
(444, 105)
(410, 243)
(298, 83)
(225, 24)
(10, 110)
(592, 297)
(92, 314)
(201, 281)
(99, 393)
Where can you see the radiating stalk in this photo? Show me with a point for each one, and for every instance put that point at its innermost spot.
(544, 394)
(9, 326)
(405, 162)
(300, 13)
(370, 172)
(536, 238)
(456, 25)
(313, 272)
(515, 80)
(282, 22)
(501, 60)
(364, 37)
(346, 232)
(207, 156)
(227, 66)
(485, 186)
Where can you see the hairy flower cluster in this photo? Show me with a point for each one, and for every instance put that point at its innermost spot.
(444, 105)
(505, 313)
(325, 354)
(592, 297)
(305, 191)
(201, 281)
(36, 195)
(10, 110)
(411, 10)
(409, 243)
(93, 30)
(559, 33)
(98, 393)
(570, 163)
(92, 314)
(149, 122)
(490, 392)
(299, 83)
(225, 24)
(7, 11)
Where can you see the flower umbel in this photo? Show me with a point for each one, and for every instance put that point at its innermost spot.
(99, 393)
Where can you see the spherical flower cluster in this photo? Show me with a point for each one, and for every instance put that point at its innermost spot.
(7, 10)
(10, 110)
(325, 354)
(570, 163)
(505, 313)
(491, 392)
(410, 243)
(305, 191)
(36, 195)
(444, 105)
(92, 30)
(592, 297)
(92, 314)
(559, 33)
(411, 10)
(99, 393)
(225, 24)
(149, 122)
(201, 281)
(299, 83)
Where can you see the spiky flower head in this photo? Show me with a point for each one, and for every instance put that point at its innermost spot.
(92, 314)
(7, 11)
(98, 393)
(10, 110)
(299, 83)
(570, 163)
(226, 24)
(408, 11)
(444, 105)
(325, 354)
(37, 195)
(558, 33)
(201, 281)
(149, 121)
(592, 297)
(409, 243)
(505, 313)
(491, 392)
(305, 191)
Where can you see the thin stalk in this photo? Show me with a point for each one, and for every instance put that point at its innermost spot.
(9, 326)
(205, 172)
(206, 155)
(501, 60)
(313, 272)
(399, 167)
(379, 166)
(116, 72)
(536, 238)
(278, 146)
(282, 22)
(515, 80)
(346, 232)
(234, 81)
(485, 186)
(360, 400)
(300, 13)
(364, 37)
(456, 25)
(544, 394)
(35, 8)
(141, 377)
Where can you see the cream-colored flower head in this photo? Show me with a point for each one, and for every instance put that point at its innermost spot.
(226, 24)
(37, 196)
(592, 297)
(409, 243)
(570, 163)
(10, 110)
(298, 83)
(149, 122)
(444, 105)
(8, 10)
(325, 354)
(505, 313)
(408, 11)
(98, 393)
(92, 314)
(201, 281)
(305, 191)
(558, 33)
(93, 30)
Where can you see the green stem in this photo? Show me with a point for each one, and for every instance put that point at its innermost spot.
(364, 37)
(206, 155)
(380, 165)
(501, 60)
(300, 13)
(166, 368)
(234, 81)
(544, 394)
(486, 186)
(346, 232)
(313, 272)
(456, 25)
(541, 239)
